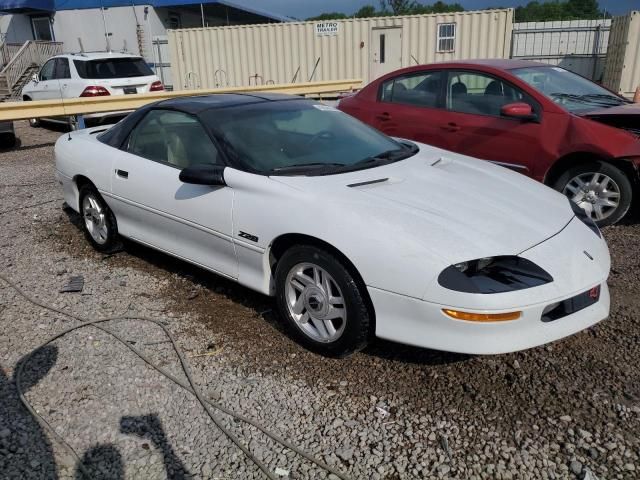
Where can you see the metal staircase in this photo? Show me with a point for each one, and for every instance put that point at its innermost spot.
(22, 64)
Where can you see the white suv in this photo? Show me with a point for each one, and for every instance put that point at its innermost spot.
(91, 75)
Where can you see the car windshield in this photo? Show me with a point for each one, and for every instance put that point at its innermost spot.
(112, 68)
(300, 137)
(573, 92)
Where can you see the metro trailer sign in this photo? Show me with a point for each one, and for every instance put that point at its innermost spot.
(326, 28)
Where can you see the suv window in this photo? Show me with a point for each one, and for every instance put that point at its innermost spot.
(46, 73)
(62, 69)
(481, 94)
(420, 89)
(174, 138)
(112, 68)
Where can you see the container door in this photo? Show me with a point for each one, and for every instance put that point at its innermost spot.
(386, 51)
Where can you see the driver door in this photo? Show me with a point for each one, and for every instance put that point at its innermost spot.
(474, 125)
(154, 207)
(46, 88)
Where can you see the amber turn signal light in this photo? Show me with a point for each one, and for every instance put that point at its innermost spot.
(482, 317)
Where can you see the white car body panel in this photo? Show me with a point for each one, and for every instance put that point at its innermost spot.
(435, 209)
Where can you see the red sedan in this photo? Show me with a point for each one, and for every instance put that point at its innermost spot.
(541, 120)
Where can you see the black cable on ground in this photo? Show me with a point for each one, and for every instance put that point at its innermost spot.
(29, 206)
(26, 184)
(189, 385)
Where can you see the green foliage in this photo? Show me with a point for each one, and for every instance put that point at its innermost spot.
(329, 16)
(535, 11)
(395, 7)
(558, 10)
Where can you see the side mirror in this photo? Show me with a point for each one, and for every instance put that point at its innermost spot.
(519, 110)
(35, 78)
(203, 174)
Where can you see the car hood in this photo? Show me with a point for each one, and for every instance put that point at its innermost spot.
(626, 109)
(462, 208)
(626, 117)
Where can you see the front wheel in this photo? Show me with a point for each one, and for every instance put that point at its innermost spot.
(322, 302)
(599, 188)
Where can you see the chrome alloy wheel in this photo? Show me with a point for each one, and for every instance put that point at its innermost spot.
(596, 193)
(94, 219)
(315, 302)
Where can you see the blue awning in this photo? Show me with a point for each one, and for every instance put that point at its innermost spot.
(18, 6)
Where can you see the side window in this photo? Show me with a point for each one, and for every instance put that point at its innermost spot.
(174, 138)
(46, 73)
(62, 69)
(419, 89)
(446, 37)
(480, 94)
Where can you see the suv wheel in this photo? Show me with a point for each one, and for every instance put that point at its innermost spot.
(601, 189)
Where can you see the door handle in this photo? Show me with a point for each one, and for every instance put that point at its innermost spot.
(451, 127)
(384, 116)
(122, 173)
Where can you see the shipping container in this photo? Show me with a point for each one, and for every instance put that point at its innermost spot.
(622, 70)
(363, 48)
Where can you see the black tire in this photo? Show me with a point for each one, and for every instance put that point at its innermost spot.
(33, 122)
(111, 237)
(621, 180)
(8, 141)
(358, 324)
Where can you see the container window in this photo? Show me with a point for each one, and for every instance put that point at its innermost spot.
(446, 37)
(382, 48)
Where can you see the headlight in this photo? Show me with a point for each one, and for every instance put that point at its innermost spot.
(493, 275)
(585, 218)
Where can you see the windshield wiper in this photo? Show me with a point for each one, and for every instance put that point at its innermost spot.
(304, 166)
(591, 98)
(390, 155)
(571, 96)
(604, 96)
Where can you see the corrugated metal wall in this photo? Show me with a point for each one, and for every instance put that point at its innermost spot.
(622, 70)
(221, 56)
(577, 45)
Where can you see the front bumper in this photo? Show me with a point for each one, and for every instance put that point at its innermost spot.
(423, 324)
(576, 259)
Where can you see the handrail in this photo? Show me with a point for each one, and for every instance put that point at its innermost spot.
(32, 53)
(8, 51)
(112, 103)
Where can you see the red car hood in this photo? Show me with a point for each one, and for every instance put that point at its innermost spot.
(625, 117)
(627, 109)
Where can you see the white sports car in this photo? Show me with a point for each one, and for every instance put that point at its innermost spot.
(357, 234)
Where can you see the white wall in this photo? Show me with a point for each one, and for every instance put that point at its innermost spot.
(88, 25)
(15, 28)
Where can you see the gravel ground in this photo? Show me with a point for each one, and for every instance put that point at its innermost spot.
(566, 410)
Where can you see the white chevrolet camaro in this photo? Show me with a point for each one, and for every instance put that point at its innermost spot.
(355, 233)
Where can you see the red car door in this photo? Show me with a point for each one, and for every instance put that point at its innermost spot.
(476, 127)
(409, 106)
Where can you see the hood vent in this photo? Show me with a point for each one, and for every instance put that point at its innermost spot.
(368, 182)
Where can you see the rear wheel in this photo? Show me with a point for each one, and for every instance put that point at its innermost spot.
(321, 302)
(33, 122)
(599, 188)
(98, 221)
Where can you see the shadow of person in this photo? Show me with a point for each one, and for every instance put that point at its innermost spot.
(25, 450)
(102, 462)
(150, 428)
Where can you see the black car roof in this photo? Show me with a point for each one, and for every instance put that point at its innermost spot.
(193, 105)
(199, 103)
